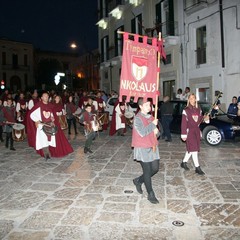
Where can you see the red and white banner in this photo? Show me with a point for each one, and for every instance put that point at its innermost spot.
(139, 68)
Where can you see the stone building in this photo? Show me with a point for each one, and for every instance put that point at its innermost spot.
(201, 43)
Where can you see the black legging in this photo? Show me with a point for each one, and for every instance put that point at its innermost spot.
(149, 169)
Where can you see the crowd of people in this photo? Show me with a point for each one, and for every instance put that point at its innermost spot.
(44, 116)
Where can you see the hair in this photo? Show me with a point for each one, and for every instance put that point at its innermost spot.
(188, 102)
(235, 97)
(142, 100)
(88, 105)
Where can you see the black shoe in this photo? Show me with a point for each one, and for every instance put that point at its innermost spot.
(47, 157)
(69, 133)
(1, 139)
(89, 150)
(12, 148)
(184, 165)
(152, 198)
(199, 171)
(138, 185)
(168, 140)
(85, 150)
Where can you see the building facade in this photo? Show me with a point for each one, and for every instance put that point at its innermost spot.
(200, 43)
(16, 64)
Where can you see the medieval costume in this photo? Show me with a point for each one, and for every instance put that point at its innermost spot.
(190, 132)
(146, 152)
(9, 114)
(46, 145)
(88, 119)
(118, 123)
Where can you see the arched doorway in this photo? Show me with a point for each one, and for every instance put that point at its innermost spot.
(15, 83)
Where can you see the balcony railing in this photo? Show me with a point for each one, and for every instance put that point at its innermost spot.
(194, 6)
(15, 67)
(168, 28)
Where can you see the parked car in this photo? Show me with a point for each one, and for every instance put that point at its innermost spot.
(110, 105)
(221, 127)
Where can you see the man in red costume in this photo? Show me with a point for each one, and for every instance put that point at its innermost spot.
(46, 145)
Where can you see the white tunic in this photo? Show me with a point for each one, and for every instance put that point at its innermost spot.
(41, 138)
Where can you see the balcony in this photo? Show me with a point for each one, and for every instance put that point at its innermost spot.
(115, 4)
(167, 28)
(15, 67)
(195, 5)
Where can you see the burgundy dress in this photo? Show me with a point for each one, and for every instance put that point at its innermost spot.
(191, 119)
(62, 148)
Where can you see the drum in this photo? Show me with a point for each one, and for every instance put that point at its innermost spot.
(103, 119)
(129, 118)
(18, 132)
(95, 125)
(63, 122)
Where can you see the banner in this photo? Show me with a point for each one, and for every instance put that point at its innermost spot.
(139, 68)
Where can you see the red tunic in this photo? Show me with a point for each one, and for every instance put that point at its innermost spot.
(191, 119)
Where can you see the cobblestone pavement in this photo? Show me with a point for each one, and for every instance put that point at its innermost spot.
(88, 197)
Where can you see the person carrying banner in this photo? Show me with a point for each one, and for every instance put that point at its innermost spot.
(145, 144)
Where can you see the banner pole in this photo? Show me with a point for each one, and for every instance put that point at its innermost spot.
(158, 78)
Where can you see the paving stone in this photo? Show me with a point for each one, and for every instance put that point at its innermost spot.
(79, 216)
(5, 227)
(44, 186)
(23, 200)
(27, 235)
(221, 233)
(218, 214)
(119, 207)
(70, 232)
(179, 206)
(55, 205)
(92, 196)
(42, 220)
(89, 200)
(204, 192)
(67, 193)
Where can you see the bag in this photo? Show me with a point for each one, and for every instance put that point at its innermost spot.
(50, 130)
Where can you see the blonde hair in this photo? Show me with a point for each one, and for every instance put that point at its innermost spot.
(188, 102)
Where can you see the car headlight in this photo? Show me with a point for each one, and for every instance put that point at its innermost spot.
(236, 128)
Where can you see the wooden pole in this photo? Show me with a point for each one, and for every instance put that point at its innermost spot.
(158, 78)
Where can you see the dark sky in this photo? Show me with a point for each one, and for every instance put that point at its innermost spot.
(50, 24)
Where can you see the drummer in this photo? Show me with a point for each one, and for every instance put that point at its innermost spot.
(9, 114)
(58, 107)
(102, 115)
(86, 118)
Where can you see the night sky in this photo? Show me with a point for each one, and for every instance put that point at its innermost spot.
(50, 24)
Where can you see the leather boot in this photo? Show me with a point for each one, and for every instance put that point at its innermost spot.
(152, 198)
(7, 140)
(11, 145)
(138, 185)
(184, 165)
(199, 171)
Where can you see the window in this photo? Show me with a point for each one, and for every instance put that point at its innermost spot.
(118, 41)
(136, 24)
(168, 88)
(25, 59)
(104, 49)
(201, 45)
(4, 58)
(103, 9)
(15, 61)
(168, 59)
